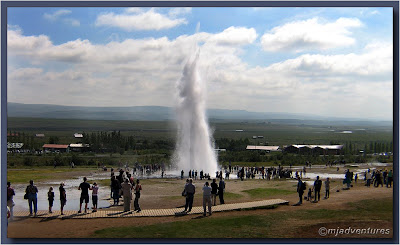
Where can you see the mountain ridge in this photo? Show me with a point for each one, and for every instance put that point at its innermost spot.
(162, 113)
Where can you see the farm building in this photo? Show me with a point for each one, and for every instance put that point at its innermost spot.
(55, 148)
(76, 135)
(219, 150)
(39, 135)
(315, 149)
(79, 147)
(263, 148)
(14, 147)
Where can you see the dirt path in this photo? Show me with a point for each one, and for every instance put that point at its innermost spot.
(84, 228)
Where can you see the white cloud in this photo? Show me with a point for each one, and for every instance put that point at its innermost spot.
(149, 20)
(368, 12)
(54, 16)
(174, 12)
(58, 16)
(375, 61)
(311, 34)
(24, 73)
(144, 72)
(133, 10)
(235, 36)
(72, 22)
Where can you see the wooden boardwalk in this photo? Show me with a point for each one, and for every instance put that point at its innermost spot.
(150, 212)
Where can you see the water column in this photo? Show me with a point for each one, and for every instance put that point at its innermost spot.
(194, 149)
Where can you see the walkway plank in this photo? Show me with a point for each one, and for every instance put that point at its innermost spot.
(150, 212)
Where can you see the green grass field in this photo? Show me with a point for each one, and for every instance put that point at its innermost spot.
(267, 192)
(17, 176)
(267, 225)
(274, 134)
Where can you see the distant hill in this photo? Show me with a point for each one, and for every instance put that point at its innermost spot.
(161, 113)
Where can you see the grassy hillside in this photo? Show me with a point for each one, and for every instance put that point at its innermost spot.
(273, 133)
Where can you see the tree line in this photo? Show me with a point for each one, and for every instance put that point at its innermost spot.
(116, 142)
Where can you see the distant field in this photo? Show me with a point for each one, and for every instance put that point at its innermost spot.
(273, 133)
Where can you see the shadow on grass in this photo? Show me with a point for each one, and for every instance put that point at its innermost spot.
(49, 218)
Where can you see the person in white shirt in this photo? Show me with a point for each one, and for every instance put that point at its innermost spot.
(95, 190)
(206, 198)
(368, 176)
(190, 190)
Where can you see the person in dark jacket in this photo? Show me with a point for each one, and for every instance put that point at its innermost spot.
(63, 197)
(300, 189)
(317, 189)
(31, 190)
(115, 187)
(50, 198)
(221, 189)
(190, 190)
(214, 190)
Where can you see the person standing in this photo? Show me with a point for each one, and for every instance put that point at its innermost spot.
(63, 197)
(138, 188)
(368, 176)
(84, 187)
(327, 186)
(390, 179)
(50, 198)
(348, 178)
(242, 174)
(8, 214)
(182, 174)
(10, 199)
(384, 175)
(309, 194)
(31, 190)
(206, 198)
(377, 178)
(95, 190)
(221, 189)
(214, 190)
(115, 186)
(317, 189)
(300, 189)
(190, 190)
(127, 193)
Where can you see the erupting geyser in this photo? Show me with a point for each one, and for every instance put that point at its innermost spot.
(194, 143)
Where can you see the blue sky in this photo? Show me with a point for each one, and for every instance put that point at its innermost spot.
(256, 59)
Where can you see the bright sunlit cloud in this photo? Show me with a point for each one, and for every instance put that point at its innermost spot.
(339, 64)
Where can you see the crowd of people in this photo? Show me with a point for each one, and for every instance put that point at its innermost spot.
(124, 186)
(210, 193)
(118, 190)
(377, 177)
(31, 194)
